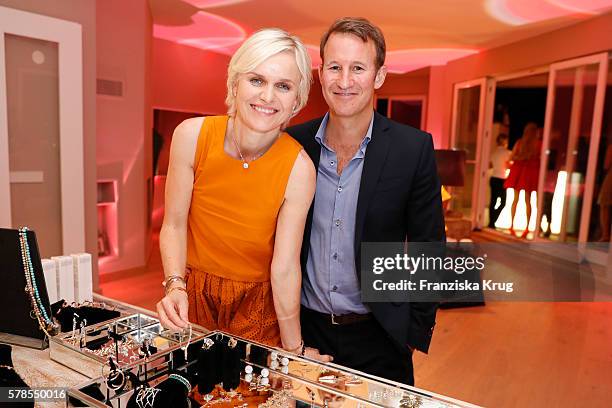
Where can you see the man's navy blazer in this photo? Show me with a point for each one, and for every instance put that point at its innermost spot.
(399, 199)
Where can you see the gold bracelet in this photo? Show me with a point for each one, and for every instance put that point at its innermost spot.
(299, 350)
(173, 278)
(175, 288)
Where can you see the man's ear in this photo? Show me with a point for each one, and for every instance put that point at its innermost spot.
(320, 71)
(380, 77)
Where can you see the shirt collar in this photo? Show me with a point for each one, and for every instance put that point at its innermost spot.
(320, 135)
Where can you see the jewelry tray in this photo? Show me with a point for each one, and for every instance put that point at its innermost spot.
(315, 384)
(64, 348)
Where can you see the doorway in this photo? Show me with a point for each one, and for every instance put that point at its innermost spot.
(518, 101)
(572, 137)
(41, 129)
(407, 109)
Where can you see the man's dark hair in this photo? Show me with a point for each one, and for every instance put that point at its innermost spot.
(361, 28)
(501, 137)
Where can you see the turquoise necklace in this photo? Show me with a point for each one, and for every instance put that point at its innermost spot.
(40, 313)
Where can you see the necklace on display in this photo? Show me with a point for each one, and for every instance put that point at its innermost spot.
(40, 313)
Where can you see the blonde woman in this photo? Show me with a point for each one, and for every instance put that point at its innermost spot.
(237, 195)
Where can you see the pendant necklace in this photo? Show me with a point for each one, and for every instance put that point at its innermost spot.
(245, 164)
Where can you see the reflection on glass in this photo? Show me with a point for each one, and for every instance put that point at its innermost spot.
(568, 152)
(466, 138)
(599, 225)
(466, 132)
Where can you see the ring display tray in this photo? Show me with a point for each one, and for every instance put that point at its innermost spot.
(289, 376)
(121, 338)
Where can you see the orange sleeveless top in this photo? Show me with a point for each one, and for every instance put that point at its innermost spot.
(233, 213)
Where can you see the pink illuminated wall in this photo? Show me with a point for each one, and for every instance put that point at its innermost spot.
(124, 123)
(188, 79)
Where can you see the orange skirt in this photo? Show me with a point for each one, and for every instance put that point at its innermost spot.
(245, 309)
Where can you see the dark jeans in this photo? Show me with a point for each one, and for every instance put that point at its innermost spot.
(497, 191)
(547, 207)
(362, 346)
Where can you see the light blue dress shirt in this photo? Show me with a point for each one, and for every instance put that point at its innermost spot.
(332, 285)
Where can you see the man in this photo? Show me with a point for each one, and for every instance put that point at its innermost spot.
(376, 182)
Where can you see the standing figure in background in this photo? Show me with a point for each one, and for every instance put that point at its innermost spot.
(604, 200)
(524, 170)
(500, 159)
(556, 160)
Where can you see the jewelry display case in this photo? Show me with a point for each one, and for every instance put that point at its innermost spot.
(128, 340)
(251, 374)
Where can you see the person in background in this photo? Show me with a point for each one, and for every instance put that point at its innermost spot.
(500, 161)
(524, 171)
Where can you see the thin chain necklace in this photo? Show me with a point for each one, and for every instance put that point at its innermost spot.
(245, 163)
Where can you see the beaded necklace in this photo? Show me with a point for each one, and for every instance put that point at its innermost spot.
(40, 313)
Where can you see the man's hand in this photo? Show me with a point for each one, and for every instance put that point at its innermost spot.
(173, 310)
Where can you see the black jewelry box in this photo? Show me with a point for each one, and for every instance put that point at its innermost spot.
(17, 326)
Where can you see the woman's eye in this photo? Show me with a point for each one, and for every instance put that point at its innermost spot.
(256, 81)
(334, 68)
(284, 87)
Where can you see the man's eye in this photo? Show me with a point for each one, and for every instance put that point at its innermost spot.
(358, 68)
(283, 87)
(334, 68)
(256, 81)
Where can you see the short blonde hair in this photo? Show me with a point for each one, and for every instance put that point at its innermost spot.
(260, 46)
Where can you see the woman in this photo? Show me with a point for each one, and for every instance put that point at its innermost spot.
(524, 171)
(237, 194)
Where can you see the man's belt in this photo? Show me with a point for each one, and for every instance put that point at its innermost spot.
(349, 318)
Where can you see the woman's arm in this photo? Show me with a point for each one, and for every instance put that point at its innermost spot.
(286, 272)
(174, 306)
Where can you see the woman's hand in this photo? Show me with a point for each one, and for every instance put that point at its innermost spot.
(314, 354)
(173, 310)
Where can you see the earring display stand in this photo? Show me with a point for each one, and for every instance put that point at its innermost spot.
(16, 322)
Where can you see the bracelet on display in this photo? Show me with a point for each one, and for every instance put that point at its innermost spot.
(182, 380)
(145, 396)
